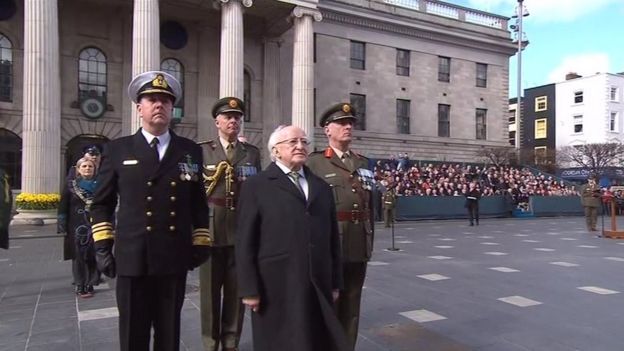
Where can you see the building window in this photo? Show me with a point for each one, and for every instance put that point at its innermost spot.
(481, 123)
(11, 157)
(6, 69)
(444, 120)
(359, 103)
(512, 138)
(314, 48)
(613, 121)
(175, 68)
(444, 69)
(92, 74)
(541, 103)
(540, 154)
(482, 75)
(403, 62)
(578, 97)
(358, 55)
(403, 116)
(613, 94)
(540, 128)
(578, 124)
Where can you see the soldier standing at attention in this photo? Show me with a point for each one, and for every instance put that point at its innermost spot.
(590, 199)
(161, 227)
(227, 163)
(351, 181)
(389, 200)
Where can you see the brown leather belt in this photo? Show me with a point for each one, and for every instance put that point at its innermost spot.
(227, 202)
(354, 216)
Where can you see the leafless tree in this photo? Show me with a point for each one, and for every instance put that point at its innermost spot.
(497, 155)
(595, 157)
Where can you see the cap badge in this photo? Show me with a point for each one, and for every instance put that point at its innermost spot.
(160, 82)
(233, 103)
(346, 108)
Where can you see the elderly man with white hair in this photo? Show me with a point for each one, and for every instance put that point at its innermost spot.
(288, 252)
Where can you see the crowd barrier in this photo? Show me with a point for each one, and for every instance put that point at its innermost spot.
(452, 207)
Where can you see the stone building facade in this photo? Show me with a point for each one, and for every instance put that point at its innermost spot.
(65, 65)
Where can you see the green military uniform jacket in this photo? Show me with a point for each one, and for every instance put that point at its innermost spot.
(353, 198)
(589, 196)
(389, 200)
(222, 175)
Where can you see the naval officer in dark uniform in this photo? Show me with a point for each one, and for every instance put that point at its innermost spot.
(352, 183)
(228, 162)
(161, 227)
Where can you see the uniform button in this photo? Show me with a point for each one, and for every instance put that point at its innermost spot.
(172, 214)
(351, 176)
(149, 198)
(353, 190)
(173, 183)
(172, 227)
(355, 206)
(149, 183)
(172, 198)
(148, 228)
(148, 213)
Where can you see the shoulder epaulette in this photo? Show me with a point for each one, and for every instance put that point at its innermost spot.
(246, 144)
(210, 143)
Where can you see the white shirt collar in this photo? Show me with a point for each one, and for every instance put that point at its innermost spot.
(163, 139)
(287, 170)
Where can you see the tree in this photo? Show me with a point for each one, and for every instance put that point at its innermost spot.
(595, 157)
(497, 155)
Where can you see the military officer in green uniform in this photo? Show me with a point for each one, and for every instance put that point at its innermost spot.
(351, 181)
(389, 201)
(590, 199)
(5, 209)
(227, 163)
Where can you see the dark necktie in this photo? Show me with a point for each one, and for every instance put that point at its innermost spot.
(229, 151)
(346, 159)
(295, 177)
(154, 145)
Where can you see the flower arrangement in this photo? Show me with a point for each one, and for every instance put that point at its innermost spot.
(28, 201)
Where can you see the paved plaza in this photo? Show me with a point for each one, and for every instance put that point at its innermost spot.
(506, 285)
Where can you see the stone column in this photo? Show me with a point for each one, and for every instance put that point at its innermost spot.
(208, 81)
(303, 70)
(146, 45)
(271, 108)
(232, 53)
(41, 123)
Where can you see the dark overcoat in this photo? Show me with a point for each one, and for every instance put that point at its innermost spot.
(160, 204)
(288, 254)
(73, 210)
(5, 209)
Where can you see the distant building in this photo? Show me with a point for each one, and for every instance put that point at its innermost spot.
(540, 123)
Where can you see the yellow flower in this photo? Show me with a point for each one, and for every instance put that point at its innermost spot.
(28, 201)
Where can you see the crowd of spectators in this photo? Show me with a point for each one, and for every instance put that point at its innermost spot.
(446, 179)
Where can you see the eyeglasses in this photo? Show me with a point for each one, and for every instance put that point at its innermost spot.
(294, 142)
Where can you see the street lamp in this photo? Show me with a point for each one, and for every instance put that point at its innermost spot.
(520, 13)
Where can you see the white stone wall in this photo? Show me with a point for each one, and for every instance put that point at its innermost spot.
(595, 109)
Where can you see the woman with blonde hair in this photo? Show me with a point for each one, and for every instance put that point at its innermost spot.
(73, 221)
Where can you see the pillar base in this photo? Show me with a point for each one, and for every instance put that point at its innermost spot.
(34, 217)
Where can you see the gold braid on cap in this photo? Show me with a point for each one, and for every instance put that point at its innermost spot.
(160, 82)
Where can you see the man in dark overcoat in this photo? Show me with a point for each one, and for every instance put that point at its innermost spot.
(288, 252)
(228, 162)
(5, 209)
(161, 227)
(473, 195)
(347, 173)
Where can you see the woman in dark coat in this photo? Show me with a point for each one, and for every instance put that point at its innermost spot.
(73, 221)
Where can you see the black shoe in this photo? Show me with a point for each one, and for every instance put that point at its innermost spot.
(471, 224)
(90, 289)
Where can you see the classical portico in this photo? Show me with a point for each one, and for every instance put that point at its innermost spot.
(42, 118)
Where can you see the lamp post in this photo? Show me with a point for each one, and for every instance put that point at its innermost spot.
(520, 13)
